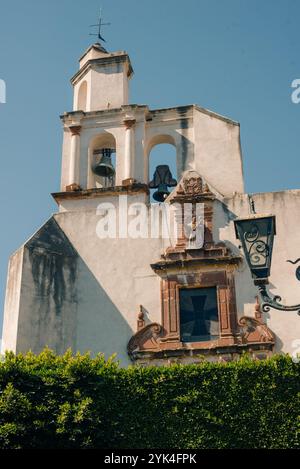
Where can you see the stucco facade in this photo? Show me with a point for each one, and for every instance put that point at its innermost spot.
(69, 288)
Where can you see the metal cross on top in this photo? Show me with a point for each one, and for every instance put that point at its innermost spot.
(99, 25)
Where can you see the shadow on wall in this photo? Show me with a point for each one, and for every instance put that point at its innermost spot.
(186, 157)
(48, 292)
(62, 304)
(100, 325)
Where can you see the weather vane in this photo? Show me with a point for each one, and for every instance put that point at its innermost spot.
(99, 26)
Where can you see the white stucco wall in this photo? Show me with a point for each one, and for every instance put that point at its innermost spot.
(12, 302)
(127, 262)
(218, 154)
(113, 277)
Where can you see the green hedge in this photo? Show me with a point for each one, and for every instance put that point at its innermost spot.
(49, 401)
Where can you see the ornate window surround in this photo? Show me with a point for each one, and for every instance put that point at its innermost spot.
(223, 281)
(211, 266)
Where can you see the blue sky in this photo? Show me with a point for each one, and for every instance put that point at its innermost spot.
(235, 57)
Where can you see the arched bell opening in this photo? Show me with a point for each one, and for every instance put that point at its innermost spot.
(102, 162)
(162, 177)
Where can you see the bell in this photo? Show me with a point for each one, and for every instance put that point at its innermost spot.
(162, 193)
(104, 167)
(162, 179)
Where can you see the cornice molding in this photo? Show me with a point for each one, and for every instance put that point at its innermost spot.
(103, 62)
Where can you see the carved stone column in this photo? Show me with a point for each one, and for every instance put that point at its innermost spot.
(73, 183)
(128, 154)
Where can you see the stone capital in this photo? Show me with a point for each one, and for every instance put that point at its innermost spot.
(129, 123)
(75, 129)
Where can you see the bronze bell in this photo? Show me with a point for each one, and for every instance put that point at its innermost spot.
(162, 179)
(104, 167)
(162, 193)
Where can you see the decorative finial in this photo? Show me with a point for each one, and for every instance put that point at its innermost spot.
(141, 313)
(141, 319)
(257, 311)
(99, 26)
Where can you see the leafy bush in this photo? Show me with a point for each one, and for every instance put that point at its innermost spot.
(50, 401)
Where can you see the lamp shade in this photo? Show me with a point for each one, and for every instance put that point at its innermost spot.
(256, 234)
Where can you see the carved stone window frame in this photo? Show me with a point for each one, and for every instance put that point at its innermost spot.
(212, 265)
(223, 281)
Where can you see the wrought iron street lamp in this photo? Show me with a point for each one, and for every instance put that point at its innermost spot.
(256, 234)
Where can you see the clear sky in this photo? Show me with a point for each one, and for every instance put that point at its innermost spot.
(235, 57)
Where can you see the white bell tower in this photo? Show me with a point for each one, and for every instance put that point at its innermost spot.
(105, 130)
(102, 81)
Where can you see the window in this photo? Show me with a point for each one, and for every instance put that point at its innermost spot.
(199, 320)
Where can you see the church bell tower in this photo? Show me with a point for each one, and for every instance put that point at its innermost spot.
(69, 287)
(102, 81)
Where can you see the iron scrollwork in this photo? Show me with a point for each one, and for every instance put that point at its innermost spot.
(258, 249)
(256, 234)
(297, 273)
(273, 302)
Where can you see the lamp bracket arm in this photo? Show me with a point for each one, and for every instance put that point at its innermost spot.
(269, 302)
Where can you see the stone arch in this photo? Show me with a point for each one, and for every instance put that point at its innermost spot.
(161, 150)
(82, 97)
(159, 139)
(96, 144)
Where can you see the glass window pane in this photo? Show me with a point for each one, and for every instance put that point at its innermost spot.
(199, 320)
